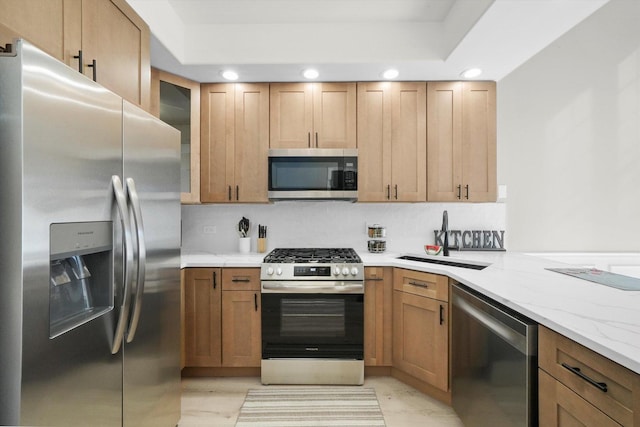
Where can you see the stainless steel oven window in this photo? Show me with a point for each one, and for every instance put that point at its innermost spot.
(312, 317)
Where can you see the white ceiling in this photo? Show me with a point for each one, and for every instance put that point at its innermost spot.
(353, 40)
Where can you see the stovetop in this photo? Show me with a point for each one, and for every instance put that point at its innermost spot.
(312, 255)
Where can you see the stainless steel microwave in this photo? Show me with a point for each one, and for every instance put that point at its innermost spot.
(313, 174)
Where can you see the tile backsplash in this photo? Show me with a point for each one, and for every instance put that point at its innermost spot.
(409, 226)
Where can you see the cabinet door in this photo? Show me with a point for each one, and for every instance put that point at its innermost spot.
(251, 142)
(119, 40)
(444, 124)
(479, 141)
(291, 109)
(409, 142)
(421, 338)
(561, 407)
(202, 321)
(334, 115)
(241, 333)
(378, 295)
(461, 141)
(176, 101)
(374, 141)
(217, 142)
(44, 23)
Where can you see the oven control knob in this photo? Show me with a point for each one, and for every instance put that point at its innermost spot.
(354, 271)
(345, 271)
(279, 271)
(336, 271)
(270, 271)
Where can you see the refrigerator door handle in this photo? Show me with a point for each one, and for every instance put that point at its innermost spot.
(121, 203)
(132, 196)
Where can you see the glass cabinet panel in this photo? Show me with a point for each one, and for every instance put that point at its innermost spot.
(176, 101)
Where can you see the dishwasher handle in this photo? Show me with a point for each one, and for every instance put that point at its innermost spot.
(518, 340)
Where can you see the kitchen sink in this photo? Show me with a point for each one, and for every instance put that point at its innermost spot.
(473, 265)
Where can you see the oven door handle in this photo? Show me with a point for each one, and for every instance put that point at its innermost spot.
(300, 287)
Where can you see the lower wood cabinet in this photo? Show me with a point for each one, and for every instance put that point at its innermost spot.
(421, 327)
(378, 296)
(241, 332)
(202, 322)
(222, 317)
(579, 387)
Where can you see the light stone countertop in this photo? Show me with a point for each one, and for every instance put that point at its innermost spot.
(604, 319)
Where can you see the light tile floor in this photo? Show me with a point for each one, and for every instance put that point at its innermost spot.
(217, 401)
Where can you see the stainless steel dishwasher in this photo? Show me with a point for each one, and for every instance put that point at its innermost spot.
(494, 362)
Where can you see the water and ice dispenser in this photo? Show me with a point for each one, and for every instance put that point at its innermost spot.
(80, 274)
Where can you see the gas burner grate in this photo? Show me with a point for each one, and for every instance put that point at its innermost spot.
(312, 255)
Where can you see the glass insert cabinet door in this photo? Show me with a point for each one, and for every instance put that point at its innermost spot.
(176, 101)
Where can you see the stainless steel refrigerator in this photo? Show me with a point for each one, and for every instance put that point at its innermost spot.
(89, 252)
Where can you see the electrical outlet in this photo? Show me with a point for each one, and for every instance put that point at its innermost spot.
(209, 229)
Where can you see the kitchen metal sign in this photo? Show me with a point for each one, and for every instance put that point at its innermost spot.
(476, 240)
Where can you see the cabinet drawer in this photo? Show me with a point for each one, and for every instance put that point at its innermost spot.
(608, 386)
(240, 279)
(374, 273)
(560, 407)
(419, 283)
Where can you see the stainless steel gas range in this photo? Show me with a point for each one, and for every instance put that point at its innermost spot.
(312, 316)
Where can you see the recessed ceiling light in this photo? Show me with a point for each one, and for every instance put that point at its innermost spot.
(310, 74)
(230, 75)
(390, 73)
(471, 73)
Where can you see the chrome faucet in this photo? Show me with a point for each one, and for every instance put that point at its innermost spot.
(445, 229)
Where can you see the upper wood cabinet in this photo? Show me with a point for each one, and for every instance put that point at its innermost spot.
(108, 32)
(392, 142)
(461, 141)
(42, 22)
(234, 142)
(313, 115)
(176, 101)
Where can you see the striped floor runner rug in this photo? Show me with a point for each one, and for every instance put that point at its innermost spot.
(310, 406)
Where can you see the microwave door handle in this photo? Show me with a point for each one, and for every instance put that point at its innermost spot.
(132, 195)
(121, 203)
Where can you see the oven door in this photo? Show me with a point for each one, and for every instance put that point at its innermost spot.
(329, 326)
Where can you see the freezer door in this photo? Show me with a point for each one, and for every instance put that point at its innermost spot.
(70, 148)
(152, 346)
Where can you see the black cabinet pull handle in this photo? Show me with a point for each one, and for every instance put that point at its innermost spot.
(459, 191)
(94, 66)
(229, 192)
(316, 139)
(237, 192)
(420, 284)
(600, 386)
(374, 279)
(80, 62)
(215, 280)
(396, 191)
(441, 314)
(309, 139)
(241, 280)
(467, 188)
(388, 191)
(255, 301)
